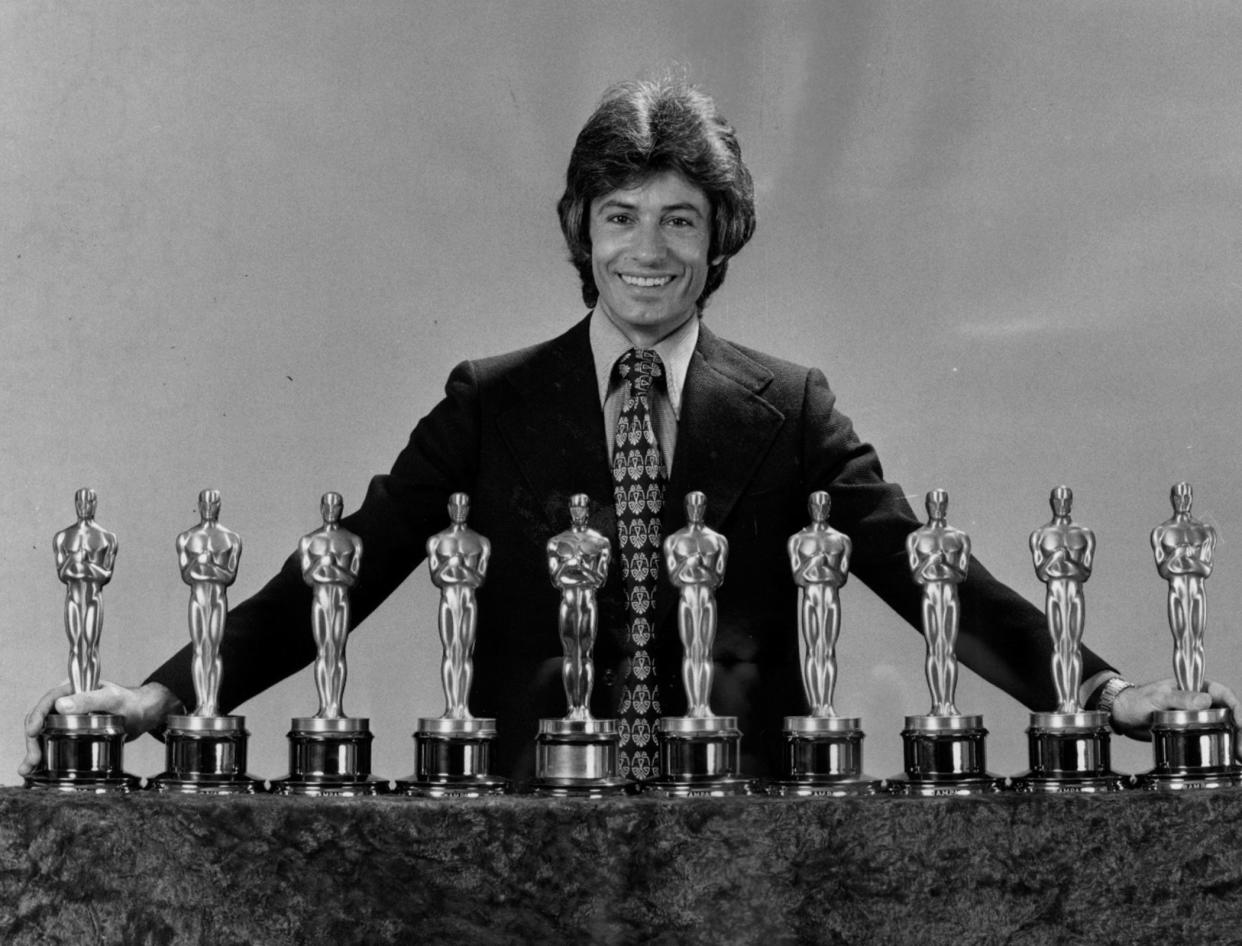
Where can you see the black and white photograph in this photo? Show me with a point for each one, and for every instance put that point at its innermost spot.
(686, 472)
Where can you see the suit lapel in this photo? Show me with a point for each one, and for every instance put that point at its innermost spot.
(555, 430)
(725, 429)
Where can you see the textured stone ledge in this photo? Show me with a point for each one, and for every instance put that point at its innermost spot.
(147, 869)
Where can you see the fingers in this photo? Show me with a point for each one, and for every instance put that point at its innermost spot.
(1223, 696)
(1132, 712)
(30, 761)
(1164, 694)
(1181, 700)
(107, 698)
(34, 726)
(34, 719)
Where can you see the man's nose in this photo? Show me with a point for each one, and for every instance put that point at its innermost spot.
(649, 243)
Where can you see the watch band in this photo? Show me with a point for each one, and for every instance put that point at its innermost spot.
(1113, 687)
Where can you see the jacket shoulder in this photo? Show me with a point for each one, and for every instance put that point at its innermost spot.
(780, 367)
(545, 359)
(757, 369)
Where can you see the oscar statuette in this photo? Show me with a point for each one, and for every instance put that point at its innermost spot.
(577, 756)
(82, 752)
(452, 753)
(1191, 748)
(700, 753)
(330, 753)
(945, 752)
(822, 751)
(204, 751)
(1069, 748)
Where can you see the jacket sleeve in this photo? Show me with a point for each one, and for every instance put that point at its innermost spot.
(1002, 636)
(268, 636)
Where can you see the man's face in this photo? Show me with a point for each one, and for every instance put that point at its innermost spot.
(649, 246)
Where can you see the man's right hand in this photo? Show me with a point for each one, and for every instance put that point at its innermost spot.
(143, 707)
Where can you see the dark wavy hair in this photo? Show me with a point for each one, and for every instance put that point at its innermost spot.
(646, 127)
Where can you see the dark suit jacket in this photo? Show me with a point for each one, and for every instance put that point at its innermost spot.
(523, 432)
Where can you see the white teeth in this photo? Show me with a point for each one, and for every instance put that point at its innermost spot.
(646, 282)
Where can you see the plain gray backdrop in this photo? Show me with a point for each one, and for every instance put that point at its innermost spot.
(242, 245)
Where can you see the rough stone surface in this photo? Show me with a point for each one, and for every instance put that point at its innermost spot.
(148, 869)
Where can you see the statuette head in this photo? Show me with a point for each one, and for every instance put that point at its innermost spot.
(818, 505)
(1062, 501)
(937, 502)
(579, 506)
(696, 506)
(85, 501)
(331, 506)
(209, 504)
(459, 508)
(1181, 496)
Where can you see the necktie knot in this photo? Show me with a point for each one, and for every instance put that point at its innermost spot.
(640, 366)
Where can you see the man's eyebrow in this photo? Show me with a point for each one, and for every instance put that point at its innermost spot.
(617, 203)
(682, 207)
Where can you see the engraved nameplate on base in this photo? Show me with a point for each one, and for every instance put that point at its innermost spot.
(699, 757)
(82, 753)
(330, 757)
(944, 755)
(1192, 749)
(822, 757)
(1069, 752)
(206, 755)
(453, 760)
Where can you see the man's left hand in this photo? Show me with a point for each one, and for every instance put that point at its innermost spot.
(1134, 706)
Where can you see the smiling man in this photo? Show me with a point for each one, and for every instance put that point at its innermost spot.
(649, 255)
(637, 405)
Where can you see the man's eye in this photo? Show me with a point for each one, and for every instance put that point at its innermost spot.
(680, 222)
(618, 218)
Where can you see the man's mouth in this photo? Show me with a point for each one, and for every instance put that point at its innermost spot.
(646, 282)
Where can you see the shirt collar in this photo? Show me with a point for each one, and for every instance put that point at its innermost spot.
(608, 344)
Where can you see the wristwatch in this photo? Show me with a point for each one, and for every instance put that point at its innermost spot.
(1108, 695)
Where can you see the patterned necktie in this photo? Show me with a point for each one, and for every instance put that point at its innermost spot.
(639, 477)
